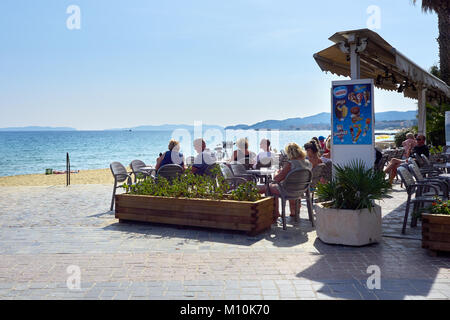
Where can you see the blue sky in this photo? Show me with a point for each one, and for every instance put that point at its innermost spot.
(144, 62)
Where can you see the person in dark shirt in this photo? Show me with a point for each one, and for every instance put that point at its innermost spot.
(378, 156)
(173, 156)
(421, 147)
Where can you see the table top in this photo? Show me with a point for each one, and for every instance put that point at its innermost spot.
(442, 165)
(146, 168)
(262, 171)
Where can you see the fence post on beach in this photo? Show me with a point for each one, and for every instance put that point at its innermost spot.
(67, 170)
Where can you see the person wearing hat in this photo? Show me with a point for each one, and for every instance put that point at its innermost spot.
(322, 143)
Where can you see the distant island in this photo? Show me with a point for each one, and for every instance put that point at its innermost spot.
(390, 120)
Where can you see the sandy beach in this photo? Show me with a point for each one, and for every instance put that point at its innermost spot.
(99, 176)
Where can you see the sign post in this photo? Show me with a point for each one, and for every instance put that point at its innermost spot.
(353, 122)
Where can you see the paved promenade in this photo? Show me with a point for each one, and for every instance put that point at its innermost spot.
(47, 231)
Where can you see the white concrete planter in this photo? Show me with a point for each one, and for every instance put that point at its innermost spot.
(348, 227)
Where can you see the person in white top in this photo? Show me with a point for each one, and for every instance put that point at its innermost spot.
(265, 157)
(204, 157)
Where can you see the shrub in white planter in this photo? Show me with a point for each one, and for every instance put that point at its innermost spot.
(348, 214)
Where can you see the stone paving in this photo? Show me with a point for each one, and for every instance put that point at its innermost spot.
(45, 230)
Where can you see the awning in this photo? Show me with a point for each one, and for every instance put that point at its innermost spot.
(390, 69)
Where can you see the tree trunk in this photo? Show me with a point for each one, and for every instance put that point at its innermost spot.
(444, 43)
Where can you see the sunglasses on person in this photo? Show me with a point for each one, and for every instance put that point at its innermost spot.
(419, 139)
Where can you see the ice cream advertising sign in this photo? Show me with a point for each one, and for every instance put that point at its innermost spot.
(352, 114)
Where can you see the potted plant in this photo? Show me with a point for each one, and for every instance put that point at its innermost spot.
(346, 213)
(436, 154)
(436, 226)
(195, 200)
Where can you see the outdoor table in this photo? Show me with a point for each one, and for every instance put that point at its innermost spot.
(266, 173)
(442, 166)
(147, 170)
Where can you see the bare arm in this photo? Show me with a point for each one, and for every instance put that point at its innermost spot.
(158, 162)
(283, 173)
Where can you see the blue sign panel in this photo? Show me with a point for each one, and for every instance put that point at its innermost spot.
(352, 114)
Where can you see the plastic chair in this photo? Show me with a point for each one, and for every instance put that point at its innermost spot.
(169, 171)
(135, 166)
(318, 173)
(239, 170)
(412, 187)
(233, 181)
(296, 184)
(120, 175)
(441, 183)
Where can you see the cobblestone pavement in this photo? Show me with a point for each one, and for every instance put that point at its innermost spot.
(44, 230)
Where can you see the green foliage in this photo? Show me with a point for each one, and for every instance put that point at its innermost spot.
(401, 135)
(437, 207)
(436, 150)
(189, 185)
(246, 192)
(354, 187)
(435, 71)
(436, 124)
(440, 207)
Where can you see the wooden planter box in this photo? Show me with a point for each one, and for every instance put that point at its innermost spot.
(436, 232)
(251, 217)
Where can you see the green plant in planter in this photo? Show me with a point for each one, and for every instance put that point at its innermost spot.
(189, 185)
(437, 207)
(246, 192)
(354, 187)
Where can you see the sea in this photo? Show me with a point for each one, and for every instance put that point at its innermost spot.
(31, 152)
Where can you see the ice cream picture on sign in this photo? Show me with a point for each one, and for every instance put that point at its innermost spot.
(352, 114)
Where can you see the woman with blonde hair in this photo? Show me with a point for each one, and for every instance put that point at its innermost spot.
(172, 156)
(409, 144)
(297, 160)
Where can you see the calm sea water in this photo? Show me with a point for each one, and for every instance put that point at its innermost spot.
(33, 152)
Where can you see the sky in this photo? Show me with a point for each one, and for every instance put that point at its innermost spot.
(149, 62)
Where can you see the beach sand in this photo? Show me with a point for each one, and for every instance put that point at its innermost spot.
(100, 176)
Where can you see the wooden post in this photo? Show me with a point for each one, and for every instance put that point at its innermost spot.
(422, 123)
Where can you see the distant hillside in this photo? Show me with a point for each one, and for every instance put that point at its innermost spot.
(322, 121)
(37, 128)
(168, 127)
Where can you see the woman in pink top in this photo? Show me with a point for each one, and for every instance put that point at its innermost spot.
(409, 144)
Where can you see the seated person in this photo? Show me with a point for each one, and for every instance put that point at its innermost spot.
(297, 159)
(264, 158)
(243, 155)
(312, 152)
(321, 144)
(204, 158)
(421, 148)
(378, 156)
(409, 144)
(326, 156)
(417, 151)
(172, 156)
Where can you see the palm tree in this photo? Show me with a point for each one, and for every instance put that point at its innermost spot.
(442, 9)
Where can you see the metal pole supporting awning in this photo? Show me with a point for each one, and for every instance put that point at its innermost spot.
(365, 54)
